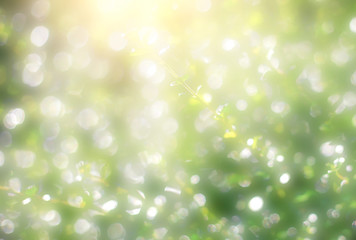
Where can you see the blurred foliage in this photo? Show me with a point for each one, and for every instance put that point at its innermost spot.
(183, 120)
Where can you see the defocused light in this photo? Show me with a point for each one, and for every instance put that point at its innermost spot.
(51, 106)
(284, 178)
(116, 231)
(15, 184)
(312, 217)
(241, 105)
(159, 233)
(151, 213)
(117, 41)
(46, 197)
(81, 226)
(255, 204)
(7, 226)
(109, 205)
(194, 179)
(228, 44)
(147, 68)
(160, 200)
(203, 5)
(40, 8)
(39, 36)
(199, 199)
(327, 149)
(24, 159)
(87, 118)
(62, 61)
(14, 117)
(61, 160)
(77, 36)
(69, 145)
(352, 25)
(2, 158)
(172, 190)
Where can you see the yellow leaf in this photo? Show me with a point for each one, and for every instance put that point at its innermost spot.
(230, 134)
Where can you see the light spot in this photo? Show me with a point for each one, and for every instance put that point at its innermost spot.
(349, 168)
(147, 68)
(184, 237)
(148, 35)
(109, 205)
(15, 184)
(203, 5)
(215, 81)
(135, 173)
(40, 8)
(117, 41)
(228, 44)
(69, 145)
(340, 56)
(116, 231)
(2, 158)
(67, 176)
(245, 153)
(353, 78)
(158, 108)
(172, 190)
(51, 106)
(30, 78)
(255, 204)
(77, 36)
(159, 233)
(194, 179)
(24, 159)
(241, 105)
(269, 42)
(170, 126)
(251, 90)
(133, 212)
(7, 226)
(278, 106)
(103, 139)
(352, 25)
(151, 213)
(34, 62)
(52, 217)
(160, 200)
(81, 226)
(285, 177)
(199, 199)
(62, 61)
(292, 231)
(39, 36)
(249, 142)
(81, 59)
(14, 117)
(87, 118)
(60, 160)
(327, 149)
(244, 61)
(46, 197)
(140, 127)
(280, 158)
(75, 201)
(312, 217)
(339, 149)
(26, 201)
(212, 228)
(207, 97)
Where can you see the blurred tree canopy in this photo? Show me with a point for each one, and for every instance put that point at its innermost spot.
(231, 119)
